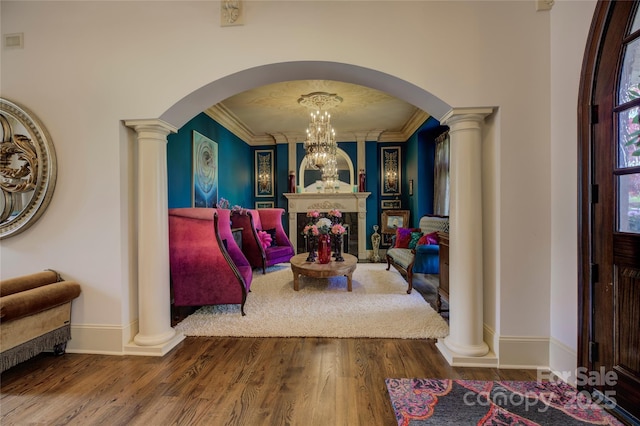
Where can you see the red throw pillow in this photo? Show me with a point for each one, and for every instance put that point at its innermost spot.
(431, 238)
(403, 237)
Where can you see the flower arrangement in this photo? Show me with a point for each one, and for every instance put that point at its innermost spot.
(223, 203)
(329, 224)
(239, 210)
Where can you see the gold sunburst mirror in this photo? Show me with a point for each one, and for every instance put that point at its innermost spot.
(28, 168)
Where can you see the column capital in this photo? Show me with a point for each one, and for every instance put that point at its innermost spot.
(151, 125)
(456, 115)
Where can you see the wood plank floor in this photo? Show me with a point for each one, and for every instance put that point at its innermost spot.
(227, 381)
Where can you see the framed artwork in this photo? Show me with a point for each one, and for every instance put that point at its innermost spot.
(205, 171)
(393, 219)
(264, 204)
(390, 204)
(386, 240)
(264, 172)
(391, 171)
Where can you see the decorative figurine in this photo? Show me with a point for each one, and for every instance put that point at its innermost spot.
(375, 242)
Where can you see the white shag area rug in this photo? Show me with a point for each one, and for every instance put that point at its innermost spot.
(378, 307)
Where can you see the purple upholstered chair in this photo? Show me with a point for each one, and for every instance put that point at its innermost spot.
(267, 220)
(207, 266)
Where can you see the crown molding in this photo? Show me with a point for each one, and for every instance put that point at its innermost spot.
(227, 119)
(417, 119)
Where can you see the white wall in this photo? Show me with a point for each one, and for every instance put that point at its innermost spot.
(568, 44)
(88, 65)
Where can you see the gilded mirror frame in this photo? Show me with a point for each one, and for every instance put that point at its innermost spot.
(28, 168)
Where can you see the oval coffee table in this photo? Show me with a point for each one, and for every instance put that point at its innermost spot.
(300, 266)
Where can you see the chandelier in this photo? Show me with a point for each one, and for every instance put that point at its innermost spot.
(320, 145)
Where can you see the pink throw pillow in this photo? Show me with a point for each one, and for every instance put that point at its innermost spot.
(265, 239)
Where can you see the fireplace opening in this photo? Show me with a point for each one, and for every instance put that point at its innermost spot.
(350, 242)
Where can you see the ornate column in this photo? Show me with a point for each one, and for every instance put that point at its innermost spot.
(155, 334)
(465, 345)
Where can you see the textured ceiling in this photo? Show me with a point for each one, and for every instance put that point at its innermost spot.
(272, 112)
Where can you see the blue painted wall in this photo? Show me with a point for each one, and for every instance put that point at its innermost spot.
(235, 163)
(420, 162)
(237, 170)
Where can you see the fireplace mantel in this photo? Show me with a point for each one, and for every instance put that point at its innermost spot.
(347, 202)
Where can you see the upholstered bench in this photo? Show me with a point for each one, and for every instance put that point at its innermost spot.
(35, 315)
(423, 258)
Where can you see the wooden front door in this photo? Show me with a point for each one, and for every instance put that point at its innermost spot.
(609, 274)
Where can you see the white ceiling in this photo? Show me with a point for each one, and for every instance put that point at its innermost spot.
(271, 113)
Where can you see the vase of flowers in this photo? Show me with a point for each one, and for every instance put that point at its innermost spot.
(320, 232)
(324, 248)
(337, 231)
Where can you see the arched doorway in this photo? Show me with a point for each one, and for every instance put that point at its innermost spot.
(465, 342)
(609, 189)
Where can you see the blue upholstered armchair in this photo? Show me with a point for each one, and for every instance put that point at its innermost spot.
(424, 258)
(427, 259)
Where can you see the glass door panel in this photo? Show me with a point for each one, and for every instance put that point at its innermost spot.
(629, 138)
(629, 203)
(630, 75)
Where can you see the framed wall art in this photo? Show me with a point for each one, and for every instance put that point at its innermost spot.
(393, 219)
(264, 204)
(391, 170)
(387, 239)
(390, 204)
(264, 172)
(205, 171)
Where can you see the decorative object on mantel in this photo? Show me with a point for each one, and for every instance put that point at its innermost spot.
(375, 243)
(318, 233)
(361, 181)
(28, 168)
(292, 181)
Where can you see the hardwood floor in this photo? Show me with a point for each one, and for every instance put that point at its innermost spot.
(228, 381)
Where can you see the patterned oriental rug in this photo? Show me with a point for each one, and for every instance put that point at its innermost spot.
(475, 402)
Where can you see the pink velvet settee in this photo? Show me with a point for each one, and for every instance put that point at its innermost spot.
(207, 266)
(267, 220)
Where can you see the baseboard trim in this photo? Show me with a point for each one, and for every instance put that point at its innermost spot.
(98, 339)
(524, 352)
(563, 361)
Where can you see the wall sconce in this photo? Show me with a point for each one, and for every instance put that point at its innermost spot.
(264, 180)
(392, 179)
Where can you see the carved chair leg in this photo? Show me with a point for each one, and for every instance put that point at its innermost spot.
(388, 263)
(410, 281)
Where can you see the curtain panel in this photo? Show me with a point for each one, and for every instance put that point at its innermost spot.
(441, 176)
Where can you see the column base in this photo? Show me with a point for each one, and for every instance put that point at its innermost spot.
(457, 359)
(133, 348)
